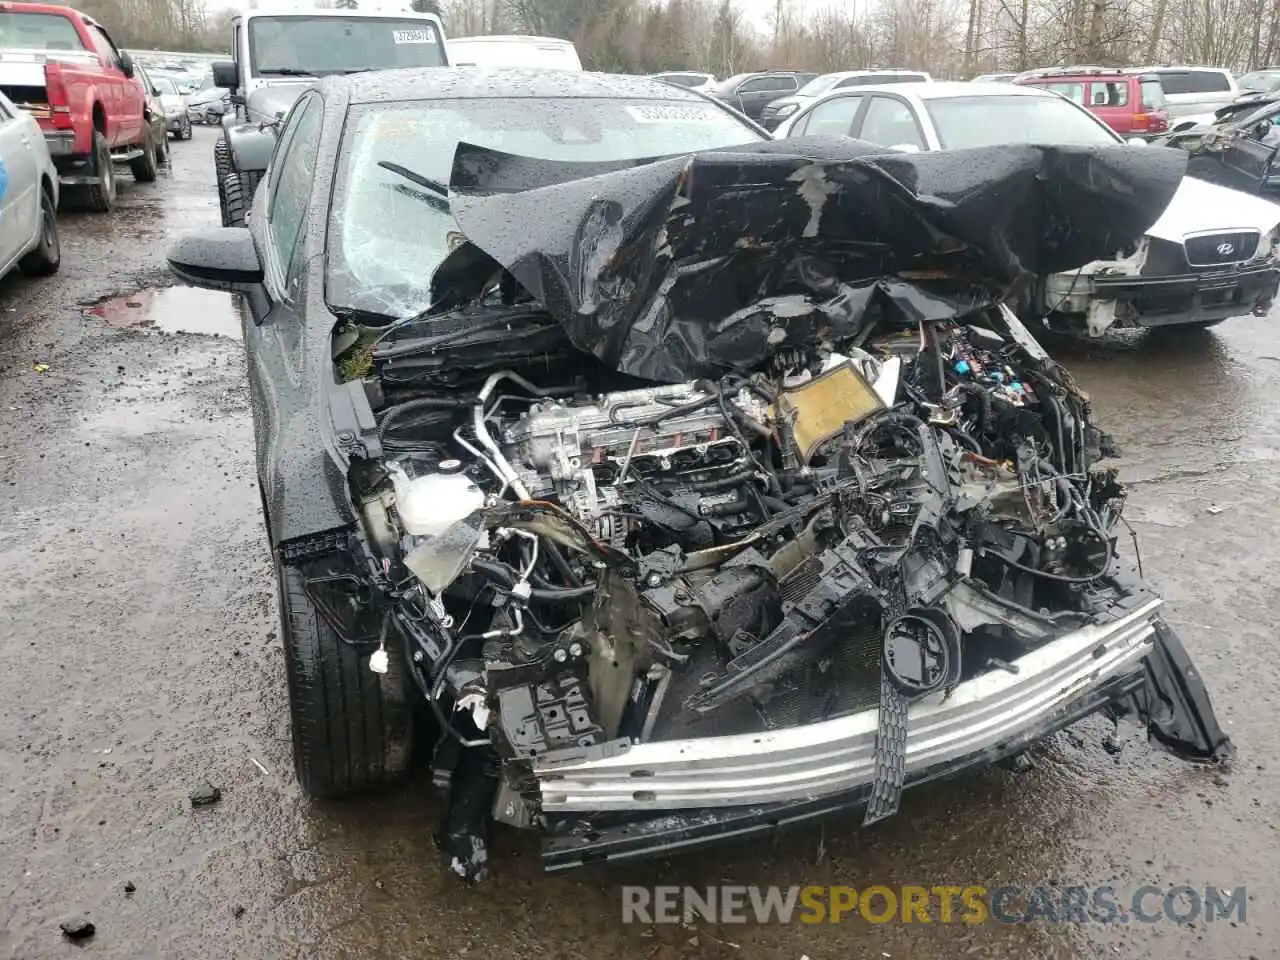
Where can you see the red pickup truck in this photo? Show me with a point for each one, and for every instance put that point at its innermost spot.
(63, 68)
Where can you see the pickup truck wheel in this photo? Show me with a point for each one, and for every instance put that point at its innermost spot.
(98, 197)
(221, 158)
(145, 167)
(352, 728)
(238, 189)
(45, 258)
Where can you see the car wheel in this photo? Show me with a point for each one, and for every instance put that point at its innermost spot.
(46, 256)
(237, 191)
(352, 728)
(98, 197)
(144, 167)
(221, 158)
(184, 130)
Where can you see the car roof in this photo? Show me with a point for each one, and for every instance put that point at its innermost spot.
(1174, 68)
(462, 83)
(871, 71)
(941, 90)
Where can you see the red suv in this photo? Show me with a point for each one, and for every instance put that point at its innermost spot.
(1131, 104)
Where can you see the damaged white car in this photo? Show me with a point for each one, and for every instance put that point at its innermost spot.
(1214, 254)
(667, 483)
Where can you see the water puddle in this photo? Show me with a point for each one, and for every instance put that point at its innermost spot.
(210, 313)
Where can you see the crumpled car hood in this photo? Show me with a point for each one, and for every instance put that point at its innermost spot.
(1200, 205)
(695, 266)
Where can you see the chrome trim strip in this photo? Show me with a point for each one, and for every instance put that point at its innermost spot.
(838, 755)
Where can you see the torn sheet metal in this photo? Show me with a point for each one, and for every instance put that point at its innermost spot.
(697, 266)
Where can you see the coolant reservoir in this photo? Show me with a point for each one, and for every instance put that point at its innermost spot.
(431, 504)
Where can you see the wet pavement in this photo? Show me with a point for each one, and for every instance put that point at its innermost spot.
(141, 660)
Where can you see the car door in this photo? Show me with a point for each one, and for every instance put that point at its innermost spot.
(1253, 151)
(833, 117)
(890, 122)
(122, 96)
(274, 340)
(19, 184)
(1109, 102)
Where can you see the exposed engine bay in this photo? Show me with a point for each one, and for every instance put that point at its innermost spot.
(580, 559)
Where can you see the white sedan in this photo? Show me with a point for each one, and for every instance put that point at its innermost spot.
(1213, 254)
(28, 196)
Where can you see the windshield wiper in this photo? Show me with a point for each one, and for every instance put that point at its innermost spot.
(285, 72)
(419, 179)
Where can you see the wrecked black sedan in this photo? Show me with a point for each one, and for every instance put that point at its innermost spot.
(667, 483)
(1237, 147)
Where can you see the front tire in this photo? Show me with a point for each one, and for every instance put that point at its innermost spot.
(352, 728)
(45, 258)
(237, 196)
(184, 129)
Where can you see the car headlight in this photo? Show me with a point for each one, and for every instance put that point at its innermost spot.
(1269, 244)
(787, 109)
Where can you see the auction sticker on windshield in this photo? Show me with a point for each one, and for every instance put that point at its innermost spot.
(670, 113)
(424, 35)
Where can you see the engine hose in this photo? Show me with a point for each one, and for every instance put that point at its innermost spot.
(421, 403)
(506, 577)
(729, 508)
(723, 483)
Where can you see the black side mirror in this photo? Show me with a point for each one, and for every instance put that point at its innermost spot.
(1261, 129)
(126, 65)
(224, 74)
(219, 258)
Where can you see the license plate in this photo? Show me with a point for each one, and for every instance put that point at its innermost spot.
(425, 35)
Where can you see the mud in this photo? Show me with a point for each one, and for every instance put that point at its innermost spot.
(172, 310)
(141, 660)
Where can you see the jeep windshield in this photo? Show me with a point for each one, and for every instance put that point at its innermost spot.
(321, 45)
(993, 121)
(390, 230)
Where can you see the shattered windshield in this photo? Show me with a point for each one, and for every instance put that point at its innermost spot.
(391, 224)
(289, 46)
(993, 121)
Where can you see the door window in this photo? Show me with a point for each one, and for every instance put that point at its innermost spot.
(1209, 81)
(769, 84)
(102, 43)
(1108, 94)
(292, 170)
(890, 123)
(831, 118)
(1072, 91)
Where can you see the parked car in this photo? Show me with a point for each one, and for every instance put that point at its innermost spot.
(208, 106)
(515, 51)
(278, 53)
(1193, 89)
(29, 186)
(1264, 82)
(174, 104)
(777, 111)
(63, 67)
(154, 114)
(1240, 148)
(750, 93)
(702, 82)
(535, 479)
(1131, 104)
(1210, 257)
(993, 78)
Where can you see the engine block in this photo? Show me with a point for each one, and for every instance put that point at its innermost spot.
(578, 451)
